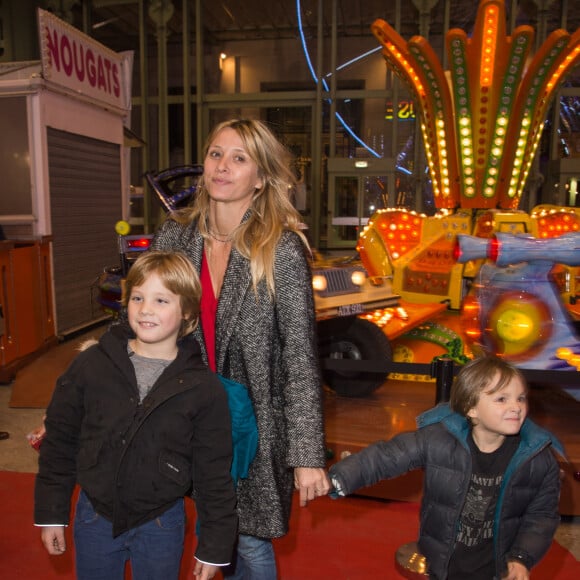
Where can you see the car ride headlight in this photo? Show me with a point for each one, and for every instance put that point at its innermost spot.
(319, 283)
(358, 277)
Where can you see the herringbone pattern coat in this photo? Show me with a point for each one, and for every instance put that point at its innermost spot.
(269, 345)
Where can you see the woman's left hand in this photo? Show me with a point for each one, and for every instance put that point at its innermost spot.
(311, 482)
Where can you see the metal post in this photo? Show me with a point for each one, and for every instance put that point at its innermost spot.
(442, 371)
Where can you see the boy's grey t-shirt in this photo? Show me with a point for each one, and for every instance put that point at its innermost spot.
(147, 371)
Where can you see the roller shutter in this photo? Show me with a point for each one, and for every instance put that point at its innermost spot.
(85, 203)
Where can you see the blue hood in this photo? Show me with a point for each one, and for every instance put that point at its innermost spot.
(532, 435)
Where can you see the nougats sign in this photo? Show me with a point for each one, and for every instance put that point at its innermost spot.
(76, 61)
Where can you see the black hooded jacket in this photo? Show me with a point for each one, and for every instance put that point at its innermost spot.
(132, 459)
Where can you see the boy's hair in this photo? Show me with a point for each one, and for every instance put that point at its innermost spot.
(177, 274)
(476, 376)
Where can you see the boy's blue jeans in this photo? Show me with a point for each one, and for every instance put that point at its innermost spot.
(254, 560)
(154, 548)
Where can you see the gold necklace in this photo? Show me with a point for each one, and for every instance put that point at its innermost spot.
(227, 240)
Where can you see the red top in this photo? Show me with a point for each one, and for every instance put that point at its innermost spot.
(208, 307)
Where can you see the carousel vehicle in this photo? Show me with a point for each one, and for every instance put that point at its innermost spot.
(515, 308)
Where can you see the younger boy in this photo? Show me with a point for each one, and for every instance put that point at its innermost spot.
(491, 483)
(138, 421)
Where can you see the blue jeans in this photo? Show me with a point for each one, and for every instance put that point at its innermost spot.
(154, 548)
(254, 560)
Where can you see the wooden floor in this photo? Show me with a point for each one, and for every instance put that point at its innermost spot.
(353, 423)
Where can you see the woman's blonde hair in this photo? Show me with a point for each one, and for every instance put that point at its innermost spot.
(272, 211)
(477, 376)
(177, 274)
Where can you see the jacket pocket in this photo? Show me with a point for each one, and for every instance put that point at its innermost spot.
(88, 455)
(174, 467)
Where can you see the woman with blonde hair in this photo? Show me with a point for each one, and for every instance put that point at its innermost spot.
(243, 236)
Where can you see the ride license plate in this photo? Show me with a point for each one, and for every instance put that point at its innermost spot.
(350, 309)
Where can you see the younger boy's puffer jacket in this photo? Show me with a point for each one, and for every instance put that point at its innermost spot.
(527, 508)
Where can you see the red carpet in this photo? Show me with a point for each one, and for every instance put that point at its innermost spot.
(350, 538)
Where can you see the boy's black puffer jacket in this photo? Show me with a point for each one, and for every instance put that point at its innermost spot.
(527, 508)
(134, 460)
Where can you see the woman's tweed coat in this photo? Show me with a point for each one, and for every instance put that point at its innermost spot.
(269, 346)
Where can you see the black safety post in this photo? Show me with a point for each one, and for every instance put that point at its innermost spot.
(442, 371)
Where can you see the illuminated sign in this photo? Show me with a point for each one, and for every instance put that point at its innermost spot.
(405, 111)
(76, 61)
